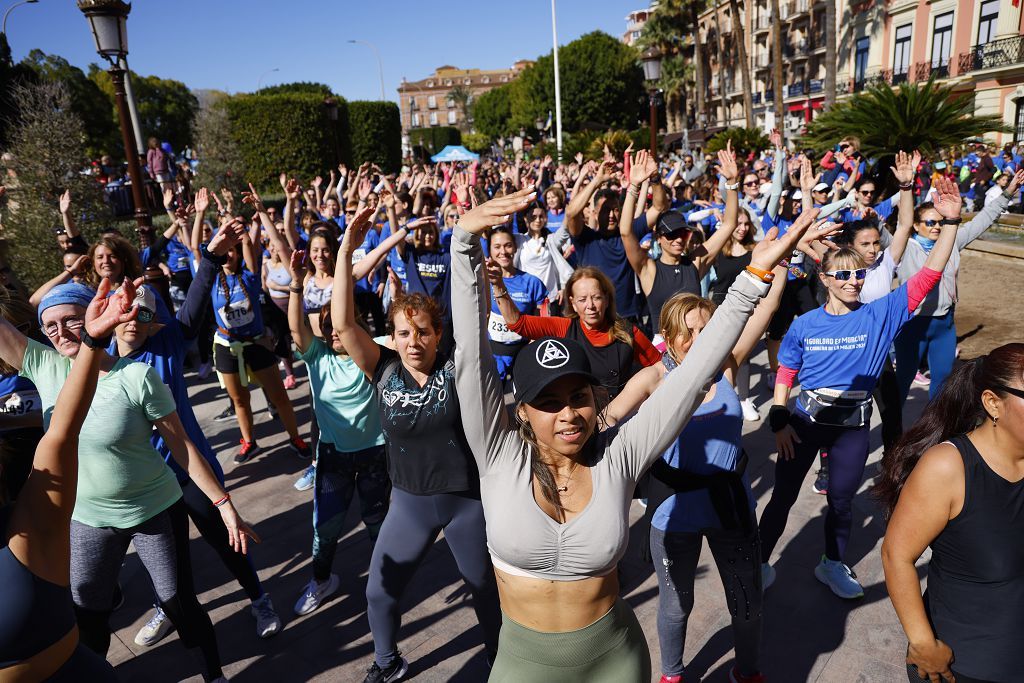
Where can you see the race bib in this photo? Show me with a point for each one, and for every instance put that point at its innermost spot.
(182, 262)
(358, 255)
(22, 403)
(498, 330)
(238, 315)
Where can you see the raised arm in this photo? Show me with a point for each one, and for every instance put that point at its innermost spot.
(778, 177)
(192, 312)
(298, 325)
(706, 253)
(78, 267)
(65, 214)
(641, 170)
(292, 192)
(574, 211)
(988, 215)
(359, 344)
(906, 166)
(496, 285)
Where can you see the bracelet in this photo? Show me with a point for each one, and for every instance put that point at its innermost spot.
(907, 186)
(732, 186)
(951, 221)
(94, 343)
(223, 501)
(504, 294)
(762, 275)
(778, 418)
(295, 290)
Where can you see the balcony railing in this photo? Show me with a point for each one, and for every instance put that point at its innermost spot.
(756, 98)
(762, 61)
(996, 53)
(763, 23)
(816, 85)
(900, 75)
(794, 89)
(870, 78)
(924, 70)
(798, 49)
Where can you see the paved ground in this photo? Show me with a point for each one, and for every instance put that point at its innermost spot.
(809, 635)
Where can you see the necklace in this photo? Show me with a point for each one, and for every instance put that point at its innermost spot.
(572, 471)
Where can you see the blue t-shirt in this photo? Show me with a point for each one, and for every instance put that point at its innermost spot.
(527, 292)
(783, 224)
(394, 259)
(239, 313)
(883, 208)
(428, 272)
(369, 244)
(844, 352)
(555, 219)
(178, 255)
(605, 252)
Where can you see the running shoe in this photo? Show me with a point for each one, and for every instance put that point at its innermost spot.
(289, 382)
(272, 411)
(671, 679)
(820, 484)
(226, 414)
(155, 629)
(375, 674)
(305, 482)
(301, 448)
(770, 378)
(247, 452)
(838, 577)
(922, 380)
(750, 413)
(316, 593)
(204, 370)
(267, 622)
(767, 576)
(736, 677)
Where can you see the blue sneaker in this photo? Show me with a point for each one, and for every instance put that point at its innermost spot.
(305, 481)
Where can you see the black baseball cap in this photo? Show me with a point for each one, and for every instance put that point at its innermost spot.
(544, 361)
(670, 222)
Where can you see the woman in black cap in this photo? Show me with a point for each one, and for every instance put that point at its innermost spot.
(555, 490)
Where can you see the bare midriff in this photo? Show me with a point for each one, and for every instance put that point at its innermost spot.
(556, 606)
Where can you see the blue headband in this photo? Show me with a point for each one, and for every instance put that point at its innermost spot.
(68, 293)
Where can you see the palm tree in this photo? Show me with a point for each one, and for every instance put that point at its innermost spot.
(777, 67)
(698, 56)
(675, 74)
(830, 53)
(667, 29)
(925, 116)
(741, 55)
(463, 99)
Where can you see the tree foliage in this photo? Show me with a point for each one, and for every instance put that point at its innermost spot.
(376, 133)
(601, 82)
(221, 161)
(432, 140)
(166, 107)
(492, 112)
(48, 156)
(744, 141)
(924, 116)
(10, 74)
(476, 142)
(299, 87)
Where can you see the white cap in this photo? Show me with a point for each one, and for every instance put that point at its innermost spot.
(145, 298)
(820, 187)
(796, 194)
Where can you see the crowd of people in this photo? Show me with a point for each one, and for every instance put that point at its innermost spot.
(514, 352)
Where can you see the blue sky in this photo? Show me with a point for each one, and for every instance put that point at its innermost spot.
(228, 45)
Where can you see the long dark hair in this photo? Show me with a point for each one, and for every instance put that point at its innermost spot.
(956, 410)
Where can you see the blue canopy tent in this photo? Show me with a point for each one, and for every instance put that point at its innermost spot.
(454, 153)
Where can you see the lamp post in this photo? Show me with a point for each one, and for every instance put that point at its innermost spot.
(11, 9)
(651, 61)
(380, 66)
(259, 81)
(108, 19)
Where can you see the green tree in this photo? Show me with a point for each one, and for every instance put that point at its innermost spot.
(89, 103)
(601, 82)
(47, 156)
(463, 99)
(166, 107)
(492, 112)
(302, 87)
(10, 74)
(744, 141)
(376, 133)
(925, 116)
(220, 157)
(476, 142)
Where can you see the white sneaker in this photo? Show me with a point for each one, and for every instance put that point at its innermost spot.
(839, 578)
(767, 576)
(155, 629)
(750, 413)
(267, 622)
(316, 593)
(306, 479)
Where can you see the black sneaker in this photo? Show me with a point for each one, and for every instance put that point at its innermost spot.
(227, 414)
(820, 485)
(375, 674)
(247, 452)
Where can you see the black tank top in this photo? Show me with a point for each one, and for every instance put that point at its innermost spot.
(727, 269)
(612, 365)
(669, 280)
(975, 597)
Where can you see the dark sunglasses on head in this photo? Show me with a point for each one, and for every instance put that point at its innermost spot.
(146, 315)
(844, 275)
(1019, 393)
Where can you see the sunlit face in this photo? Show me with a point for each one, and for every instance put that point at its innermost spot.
(608, 212)
(675, 243)
(553, 201)
(63, 241)
(867, 243)
(429, 237)
(845, 291)
(927, 225)
(589, 302)
(416, 340)
(563, 415)
(751, 186)
(331, 337)
(332, 209)
(62, 325)
(320, 255)
(695, 320)
(207, 232)
(503, 249)
(451, 218)
(866, 194)
(135, 334)
(107, 264)
(739, 233)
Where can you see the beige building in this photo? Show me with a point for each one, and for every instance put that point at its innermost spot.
(426, 102)
(635, 24)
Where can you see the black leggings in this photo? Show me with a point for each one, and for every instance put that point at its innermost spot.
(409, 530)
(890, 408)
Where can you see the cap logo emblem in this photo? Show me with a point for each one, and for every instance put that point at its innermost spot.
(552, 354)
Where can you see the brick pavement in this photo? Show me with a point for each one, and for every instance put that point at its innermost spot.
(809, 635)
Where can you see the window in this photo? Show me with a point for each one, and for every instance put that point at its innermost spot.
(413, 103)
(942, 40)
(987, 18)
(504, 79)
(448, 81)
(432, 102)
(433, 118)
(415, 120)
(1018, 124)
(430, 84)
(451, 116)
(450, 103)
(486, 79)
(901, 53)
(468, 81)
(860, 59)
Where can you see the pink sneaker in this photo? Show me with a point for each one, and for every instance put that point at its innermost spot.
(736, 677)
(289, 382)
(671, 679)
(921, 380)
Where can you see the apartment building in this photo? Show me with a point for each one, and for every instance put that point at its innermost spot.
(635, 21)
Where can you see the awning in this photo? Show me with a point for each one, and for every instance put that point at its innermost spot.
(454, 153)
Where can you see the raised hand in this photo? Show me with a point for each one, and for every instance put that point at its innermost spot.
(365, 186)
(292, 191)
(297, 265)
(65, 201)
(1015, 182)
(776, 138)
(283, 179)
(493, 272)
(387, 197)
(343, 170)
(808, 179)
(420, 223)
(906, 167)
(252, 197)
(107, 312)
(229, 198)
(228, 235)
(727, 163)
(606, 171)
(820, 231)
(317, 182)
(79, 266)
(772, 248)
(496, 211)
(946, 198)
(644, 166)
(356, 231)
(202, 202)
(168, 198)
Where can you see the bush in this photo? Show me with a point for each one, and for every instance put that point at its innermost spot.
(434, 139)
(376, 133)
(477, 142)
(492, 112)
(220, 156)
(289, 132)
(744, 142)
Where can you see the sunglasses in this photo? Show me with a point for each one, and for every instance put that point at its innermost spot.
(844, 275)
(1019, 393)
(675, 234)
(752, 183)
(867, 192)
(145, 315)
(930, 222)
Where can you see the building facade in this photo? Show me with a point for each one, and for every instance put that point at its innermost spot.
(427, 102)
(635, 24)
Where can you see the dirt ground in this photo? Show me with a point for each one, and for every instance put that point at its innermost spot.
(991, 307)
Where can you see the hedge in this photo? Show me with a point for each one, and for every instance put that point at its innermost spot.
(291, 132)
(376, 133)
(434, 139)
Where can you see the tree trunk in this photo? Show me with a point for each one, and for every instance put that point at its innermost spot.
(780, 116)
(698, 58)
(741, 53)
(721, 67)
(830, 53)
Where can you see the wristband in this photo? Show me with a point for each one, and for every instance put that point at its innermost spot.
(94, 343)
(762, 275)
(295, 290)
(223, 501)
(951, 221)
(732, 186)
(211, 257)
(908, 186)
(504, 293)
(778, 418)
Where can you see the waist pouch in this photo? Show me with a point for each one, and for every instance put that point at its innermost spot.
(836, 409)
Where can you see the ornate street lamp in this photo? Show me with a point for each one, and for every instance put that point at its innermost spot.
(108, 21)
(651, 62)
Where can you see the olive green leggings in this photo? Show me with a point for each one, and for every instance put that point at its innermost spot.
(611, 650)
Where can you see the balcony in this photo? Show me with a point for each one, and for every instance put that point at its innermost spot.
(816, 85)
(762, 61)
(756, 98)
(798, 7)
(797, 50)
(764, 23)
(794, 90)
(872, 77)
(925, 70)
(900, 75)
(993, 54)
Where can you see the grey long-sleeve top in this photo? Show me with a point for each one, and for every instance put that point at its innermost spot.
(942, 298)
(519, 533)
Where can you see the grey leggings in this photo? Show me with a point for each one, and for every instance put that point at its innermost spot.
(162, 545)
(409, 530)
(738, 557)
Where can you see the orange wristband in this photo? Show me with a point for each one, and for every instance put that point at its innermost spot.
(762, 275)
